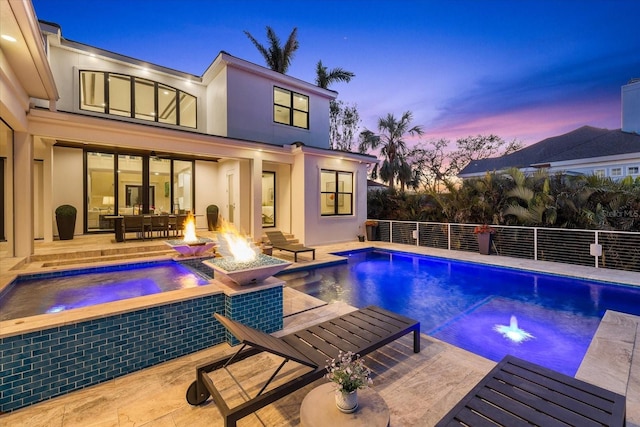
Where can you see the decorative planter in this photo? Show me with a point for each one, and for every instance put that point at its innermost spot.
(66, 221)
(371, 232)
(360, 238)
(484, 243)
(212, 217)
(347, 402)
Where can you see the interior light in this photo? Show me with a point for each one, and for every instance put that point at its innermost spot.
(166, 92)
(9, 38)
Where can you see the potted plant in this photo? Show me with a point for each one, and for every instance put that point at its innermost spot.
(66, 221)
(371, 226)
(349, 374)
(212, 217)
(484, 233)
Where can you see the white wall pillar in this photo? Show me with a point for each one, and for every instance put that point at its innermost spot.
(256, 197)
(23, 193)
(47, 202)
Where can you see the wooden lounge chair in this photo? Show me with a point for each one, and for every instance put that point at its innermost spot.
(278, 241)
(361, 332)
(521, 393)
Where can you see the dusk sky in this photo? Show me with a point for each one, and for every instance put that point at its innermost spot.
(519, 69)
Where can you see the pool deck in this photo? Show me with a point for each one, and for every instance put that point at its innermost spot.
(418, 388)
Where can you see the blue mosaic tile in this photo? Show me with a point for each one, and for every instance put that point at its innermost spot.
(77, 356)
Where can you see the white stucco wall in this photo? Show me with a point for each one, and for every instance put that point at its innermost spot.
(307, 223)
(67, 183)
(250, 112)
(216, 99)
(631, 107)
(209, 190)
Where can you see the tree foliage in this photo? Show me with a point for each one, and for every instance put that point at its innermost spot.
(344, 121)
(393, 148)
(513, 198)
(324, 78)
(277, 57)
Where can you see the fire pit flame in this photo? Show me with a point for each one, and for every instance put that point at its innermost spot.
(191, 245)
(190, 230)
(241, 261)
(236, 245)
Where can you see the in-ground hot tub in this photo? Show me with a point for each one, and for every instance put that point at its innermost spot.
(110, 339)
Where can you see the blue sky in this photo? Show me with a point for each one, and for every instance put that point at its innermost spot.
(520, 69)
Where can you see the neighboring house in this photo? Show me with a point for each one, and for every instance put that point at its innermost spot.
(109, 134)
(375, 185)
(584, 151)
(631, 106)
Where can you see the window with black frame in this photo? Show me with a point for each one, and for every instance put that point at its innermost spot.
(112, 93)
(290, 108)
(336, 192)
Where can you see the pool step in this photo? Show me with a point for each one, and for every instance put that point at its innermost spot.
(101, 255)
(107, 258)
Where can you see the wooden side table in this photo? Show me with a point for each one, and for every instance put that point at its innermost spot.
(319, 409)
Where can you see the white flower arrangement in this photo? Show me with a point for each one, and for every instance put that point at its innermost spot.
(348, 372)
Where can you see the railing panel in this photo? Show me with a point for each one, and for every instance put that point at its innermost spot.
(432, 235)
(403, 233)
(620, 251)
(384, 231)
(514, 242)
(462, 238)
(567, 246)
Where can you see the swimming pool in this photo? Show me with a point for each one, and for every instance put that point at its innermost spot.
(471, 305)
(65, 290)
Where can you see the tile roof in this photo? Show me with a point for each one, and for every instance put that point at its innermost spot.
(583, 143)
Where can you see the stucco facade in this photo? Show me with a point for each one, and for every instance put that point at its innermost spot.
(69, 135)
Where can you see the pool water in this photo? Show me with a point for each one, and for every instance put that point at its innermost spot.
(464, 303)
(50, 293)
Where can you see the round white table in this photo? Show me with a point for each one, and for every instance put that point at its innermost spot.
(319, 409)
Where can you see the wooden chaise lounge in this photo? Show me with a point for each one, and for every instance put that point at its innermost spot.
(361, 332)
(521, 393)
(280, 242)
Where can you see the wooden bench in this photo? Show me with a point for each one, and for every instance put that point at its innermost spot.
(521, 393)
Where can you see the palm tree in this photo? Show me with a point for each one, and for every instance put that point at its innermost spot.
(324, 78)
(392, 146)
(277, 57)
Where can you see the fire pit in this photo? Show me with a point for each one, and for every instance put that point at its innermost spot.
(247, 272)
(241, 260)
(197, 248)
(191, 245)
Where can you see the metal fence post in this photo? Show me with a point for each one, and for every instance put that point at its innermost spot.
(535, 243)
(449, 236)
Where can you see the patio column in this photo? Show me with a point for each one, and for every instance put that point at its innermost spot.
(23, 193)
(256, 197)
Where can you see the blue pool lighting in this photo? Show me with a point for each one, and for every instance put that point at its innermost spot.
(471, 305)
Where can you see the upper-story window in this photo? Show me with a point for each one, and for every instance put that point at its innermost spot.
(633, 170)
(290, 108)
(600, 173)
(336, 192)
(135, 97)
(616, 171)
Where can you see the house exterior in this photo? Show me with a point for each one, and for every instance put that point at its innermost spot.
(584, 151)
(110, 134)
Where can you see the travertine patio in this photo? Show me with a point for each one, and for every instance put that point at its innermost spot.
(418, 388)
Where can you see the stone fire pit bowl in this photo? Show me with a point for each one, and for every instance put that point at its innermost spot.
(189, 249)
(247, 273)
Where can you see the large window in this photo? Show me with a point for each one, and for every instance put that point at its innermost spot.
(112, 93)
(290, 108)
(127, 184)
(336, 192)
